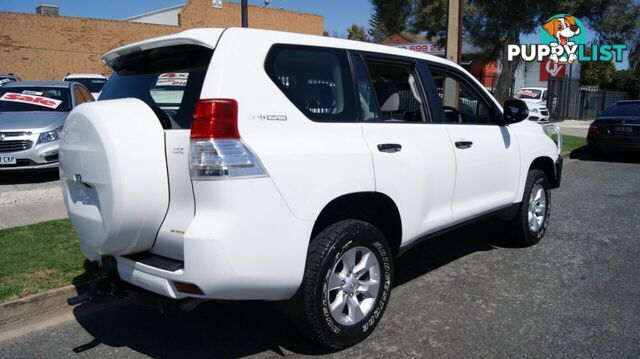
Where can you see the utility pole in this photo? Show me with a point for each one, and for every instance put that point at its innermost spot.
(453, 52)
(454, 31)
(245, 13)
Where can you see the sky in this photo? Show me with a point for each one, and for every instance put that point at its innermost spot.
(338, 14)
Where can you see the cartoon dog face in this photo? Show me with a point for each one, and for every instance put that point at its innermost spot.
(562, 28)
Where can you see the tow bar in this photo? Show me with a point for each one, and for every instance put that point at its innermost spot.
(105, 281)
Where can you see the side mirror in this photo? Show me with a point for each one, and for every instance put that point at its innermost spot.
(514, 111)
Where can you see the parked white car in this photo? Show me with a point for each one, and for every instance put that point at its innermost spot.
(94, 82)
(292, 167)
(536, 100)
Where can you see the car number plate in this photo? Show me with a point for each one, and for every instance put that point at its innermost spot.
(623, 129)
(7, 160)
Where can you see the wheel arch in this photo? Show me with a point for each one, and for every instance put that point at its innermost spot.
(546, 165)
(372, 207)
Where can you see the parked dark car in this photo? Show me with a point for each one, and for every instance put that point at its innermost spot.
(617, 128)
(4, 78)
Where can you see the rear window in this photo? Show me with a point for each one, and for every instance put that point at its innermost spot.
(168, 79)
(316, 80)
(34, 99)
(623, 109)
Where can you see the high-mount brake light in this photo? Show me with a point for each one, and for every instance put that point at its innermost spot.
(216, 148)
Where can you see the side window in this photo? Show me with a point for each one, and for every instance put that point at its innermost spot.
(88, 97)
(78, 95)
(460, 103)
(316, 80)
(369, 110)
(392, 94)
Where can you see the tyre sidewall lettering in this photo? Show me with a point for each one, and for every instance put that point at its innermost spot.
(384, 259)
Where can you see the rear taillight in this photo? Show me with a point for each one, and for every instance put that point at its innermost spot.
(593, 128)
(216, 148)
(215, 119)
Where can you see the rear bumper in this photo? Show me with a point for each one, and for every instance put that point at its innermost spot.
(244, 245)
(614, 144)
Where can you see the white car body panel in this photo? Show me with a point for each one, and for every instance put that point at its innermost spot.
(488, 172)
(426, 149)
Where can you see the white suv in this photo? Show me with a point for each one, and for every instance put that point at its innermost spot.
(244, 164)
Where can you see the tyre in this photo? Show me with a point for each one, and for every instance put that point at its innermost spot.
(531, 221)
(346, 285)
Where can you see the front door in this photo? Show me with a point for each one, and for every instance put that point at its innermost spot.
(487, 154)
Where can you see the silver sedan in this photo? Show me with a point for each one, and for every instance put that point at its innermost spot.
(32, 114)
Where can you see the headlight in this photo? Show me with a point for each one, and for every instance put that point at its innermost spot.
(534, 110)
(50, 136)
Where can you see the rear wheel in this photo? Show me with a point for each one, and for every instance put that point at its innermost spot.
(532, 219)
(347, 284)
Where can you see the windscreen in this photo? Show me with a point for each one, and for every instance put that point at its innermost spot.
(168, 79)
(93, 84)
(34, 99)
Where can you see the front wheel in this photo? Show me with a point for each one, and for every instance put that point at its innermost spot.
(347, 283)
(532, 220)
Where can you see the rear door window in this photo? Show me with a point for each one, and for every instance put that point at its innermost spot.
(168, 79)
(316, 80)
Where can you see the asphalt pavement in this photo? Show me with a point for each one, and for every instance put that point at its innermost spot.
(464, 294)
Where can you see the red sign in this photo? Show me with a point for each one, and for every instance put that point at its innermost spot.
(31, 99)
(549, 69)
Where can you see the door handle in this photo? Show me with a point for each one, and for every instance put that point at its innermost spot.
(389, 147)
(464, 144)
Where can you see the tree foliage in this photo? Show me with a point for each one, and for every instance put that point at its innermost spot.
(430, 17)
(356, 32)
(594, 73)
(493, 25)
(389, 17)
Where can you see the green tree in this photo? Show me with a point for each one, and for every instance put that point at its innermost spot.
(595, 73)
(356, 32)
(493, 25)
(389, 17)
(430, 16)
(624, 80)
(620, 23)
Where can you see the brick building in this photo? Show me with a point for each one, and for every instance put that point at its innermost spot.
(47, 47)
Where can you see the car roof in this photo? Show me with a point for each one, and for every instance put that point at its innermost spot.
(8, 75)
(60, 84)
(88, 76)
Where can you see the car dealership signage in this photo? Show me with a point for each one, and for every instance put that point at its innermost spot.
(424, 47)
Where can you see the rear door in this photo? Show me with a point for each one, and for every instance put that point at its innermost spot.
(413, 160)
(169, 80)
(487, 155)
